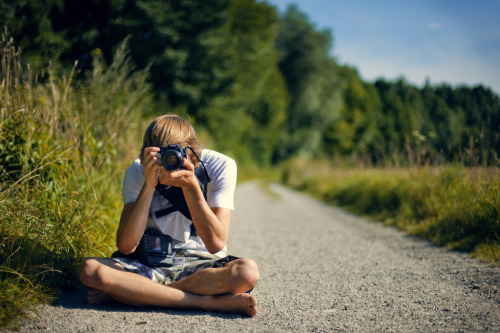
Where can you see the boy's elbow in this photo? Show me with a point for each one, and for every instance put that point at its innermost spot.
(215, 246)
(125, 249)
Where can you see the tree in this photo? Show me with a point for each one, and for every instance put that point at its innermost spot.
(358, 128)
(402, 107)
(29, 24)
(181, 40)
(246, 121)
(310, 74)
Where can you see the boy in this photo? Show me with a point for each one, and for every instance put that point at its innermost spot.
(202, 276)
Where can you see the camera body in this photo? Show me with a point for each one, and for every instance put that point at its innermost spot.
(171, 156)
(155, 249)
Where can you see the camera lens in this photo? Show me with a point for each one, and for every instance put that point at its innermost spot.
(172, 160)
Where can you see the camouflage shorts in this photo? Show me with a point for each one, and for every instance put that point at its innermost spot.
(186, 263)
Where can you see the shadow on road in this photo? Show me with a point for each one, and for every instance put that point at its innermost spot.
(77, 299)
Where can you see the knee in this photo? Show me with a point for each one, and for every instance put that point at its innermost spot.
(92, 273)
(245, 275)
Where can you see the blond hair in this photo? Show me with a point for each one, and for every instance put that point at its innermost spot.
(171, 129)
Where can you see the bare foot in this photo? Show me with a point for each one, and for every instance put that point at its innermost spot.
(244, 304)
(97, 297)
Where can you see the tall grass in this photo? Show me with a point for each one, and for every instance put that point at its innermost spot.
(452, 206)
(63, 149)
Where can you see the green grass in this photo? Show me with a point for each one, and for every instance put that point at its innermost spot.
(452, 206)
(63, 149)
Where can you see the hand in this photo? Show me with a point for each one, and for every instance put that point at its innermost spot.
(151, 164)
(182, 178)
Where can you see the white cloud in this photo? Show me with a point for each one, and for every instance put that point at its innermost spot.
(433, 25)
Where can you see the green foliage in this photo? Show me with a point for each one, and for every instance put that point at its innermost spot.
(312, 83)
(15, 298)
(454, 207)
(30, 24)
(263, 87)
(433, 124)
(189, 62)
(246, 121)
(358, 127)
(182, 42)
(63, 149)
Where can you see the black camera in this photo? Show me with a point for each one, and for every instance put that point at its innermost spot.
(171, 156)
(155, 249)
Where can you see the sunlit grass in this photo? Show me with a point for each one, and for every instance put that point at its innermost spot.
(63, 149)
(263, 174)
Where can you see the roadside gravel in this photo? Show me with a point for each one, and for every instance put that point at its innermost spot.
(322, 270)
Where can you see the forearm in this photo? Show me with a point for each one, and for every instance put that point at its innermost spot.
(211, 229)
(133, 221)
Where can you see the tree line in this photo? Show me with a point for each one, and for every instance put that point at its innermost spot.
(260, 85)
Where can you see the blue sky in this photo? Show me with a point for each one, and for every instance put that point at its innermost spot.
(453, 41)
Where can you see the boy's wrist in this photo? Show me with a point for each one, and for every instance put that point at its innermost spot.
(149, 187)
(192, 185)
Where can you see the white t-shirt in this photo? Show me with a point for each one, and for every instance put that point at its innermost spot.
(220, 193)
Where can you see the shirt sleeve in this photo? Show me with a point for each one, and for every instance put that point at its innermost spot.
(223, 173)
(132, 182)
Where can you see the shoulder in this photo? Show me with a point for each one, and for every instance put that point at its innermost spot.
(212, 155)
(217, 163)
(135, 172)
(135, 168)
(223, 174)
(133, 181)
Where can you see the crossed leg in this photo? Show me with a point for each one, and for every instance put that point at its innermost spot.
(237, 276)
(211, 289)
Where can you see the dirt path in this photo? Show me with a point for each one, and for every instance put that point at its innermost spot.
(322, 270)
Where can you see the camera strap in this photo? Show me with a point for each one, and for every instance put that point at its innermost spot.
(176, 197)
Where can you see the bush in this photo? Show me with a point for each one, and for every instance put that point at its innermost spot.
(63, 151)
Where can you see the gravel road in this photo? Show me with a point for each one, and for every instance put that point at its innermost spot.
(322, 270)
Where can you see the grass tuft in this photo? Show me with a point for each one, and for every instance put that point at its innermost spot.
(63, 148)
